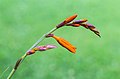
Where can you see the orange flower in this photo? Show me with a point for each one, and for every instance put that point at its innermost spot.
(65, 44)
(71, 18)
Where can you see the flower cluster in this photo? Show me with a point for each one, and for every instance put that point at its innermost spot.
(69, 22)
(77, 23)
(64, 43)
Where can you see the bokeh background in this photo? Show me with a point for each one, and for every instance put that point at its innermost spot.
(23, 22)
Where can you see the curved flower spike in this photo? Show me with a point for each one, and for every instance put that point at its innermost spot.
(65, 44)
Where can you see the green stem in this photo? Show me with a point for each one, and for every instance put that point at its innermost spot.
(25, 55)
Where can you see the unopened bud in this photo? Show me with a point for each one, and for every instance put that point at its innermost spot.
(92, 28)
(71, 18)
(80, 21)
(50, 46)
(65, 44)
(74, 25)
(44, 48)
(49, 35)
(67, 20)
(41, 48)
(61, 24)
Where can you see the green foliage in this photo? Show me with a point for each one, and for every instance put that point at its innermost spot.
(22, 22)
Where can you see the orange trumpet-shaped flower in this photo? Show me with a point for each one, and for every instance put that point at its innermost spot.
(65, 44)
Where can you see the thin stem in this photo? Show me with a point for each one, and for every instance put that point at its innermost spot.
(25, 55)
(42, 38)
(16, 66)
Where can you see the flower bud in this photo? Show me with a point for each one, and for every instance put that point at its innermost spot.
(61, 24)
(46, 47)
(84, 25)
(71, 18)
(31, 52)
(49, 35)
(74, 25)
(41, 48)
(92, 28)
(65, 44)
(67, 20)
(80, 21)
(50, 46)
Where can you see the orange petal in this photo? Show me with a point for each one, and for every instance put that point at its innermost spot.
(65, 44)
(71, 18)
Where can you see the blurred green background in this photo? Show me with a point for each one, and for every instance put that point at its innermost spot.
(23, 22)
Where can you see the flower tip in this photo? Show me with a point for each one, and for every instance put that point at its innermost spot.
(75, 15)
(74, 52)
(51, 46)
(98, 34)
